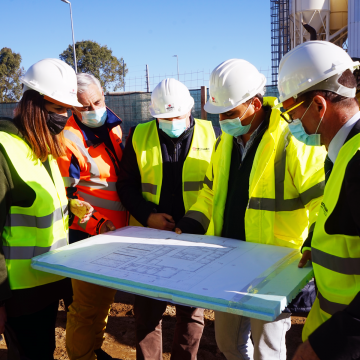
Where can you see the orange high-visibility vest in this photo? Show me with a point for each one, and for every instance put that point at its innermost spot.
(96, 180)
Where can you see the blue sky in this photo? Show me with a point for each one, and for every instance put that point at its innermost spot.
(202, 33)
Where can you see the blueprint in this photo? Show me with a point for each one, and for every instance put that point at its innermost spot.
(213, 272)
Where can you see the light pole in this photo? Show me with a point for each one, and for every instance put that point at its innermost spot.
(177, 60)
(72, 30)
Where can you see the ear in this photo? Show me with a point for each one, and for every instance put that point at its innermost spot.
(257, 104)
(320, 104)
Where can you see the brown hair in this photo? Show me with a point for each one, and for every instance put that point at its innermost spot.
(30, 118)
(347, 79)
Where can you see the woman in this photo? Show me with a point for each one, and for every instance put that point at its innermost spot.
(33, 209)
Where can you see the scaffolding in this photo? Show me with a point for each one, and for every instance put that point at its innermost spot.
(280, 34)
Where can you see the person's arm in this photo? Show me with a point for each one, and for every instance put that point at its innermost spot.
(339, 337)
(70, 169)
(306, 166)
(129, 185)
(197, 219)
(5, 188)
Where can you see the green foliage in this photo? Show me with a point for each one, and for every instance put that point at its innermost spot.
(97, 60)
(10, 72)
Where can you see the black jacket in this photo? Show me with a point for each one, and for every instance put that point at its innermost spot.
(174, 152)
(339, 337)
(15, 192)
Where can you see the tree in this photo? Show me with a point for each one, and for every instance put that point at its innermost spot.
(10, 73)
(97, 60)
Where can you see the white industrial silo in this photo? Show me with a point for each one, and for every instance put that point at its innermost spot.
(329, 18)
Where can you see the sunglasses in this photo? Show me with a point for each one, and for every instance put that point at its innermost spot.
(286, 116)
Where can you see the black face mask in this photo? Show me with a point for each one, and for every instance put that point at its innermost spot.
(56, 123)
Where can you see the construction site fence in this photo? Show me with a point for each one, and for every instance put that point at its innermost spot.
(133, 107)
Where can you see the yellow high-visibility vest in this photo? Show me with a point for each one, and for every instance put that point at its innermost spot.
(285, 187)
(39, 228)
(147, 148)
(335, 258)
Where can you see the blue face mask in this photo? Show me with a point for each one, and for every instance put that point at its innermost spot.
(95, 118)
(234, 127)
(299, 133)
(172, 128)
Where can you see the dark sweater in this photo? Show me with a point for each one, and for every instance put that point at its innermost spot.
(15, 192)
(238, 188)
(174, 152)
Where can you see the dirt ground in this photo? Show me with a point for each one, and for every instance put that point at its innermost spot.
(120, 334)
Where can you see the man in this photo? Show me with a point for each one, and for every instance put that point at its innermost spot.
(90, 171)
(267, 188)
(325, 111)
(162, 171)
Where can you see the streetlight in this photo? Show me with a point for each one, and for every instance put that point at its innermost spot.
(177, 60)
(72, 30)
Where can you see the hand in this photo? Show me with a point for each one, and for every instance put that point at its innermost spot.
(161, 221)
(107, 226)
(2, 319)
(82, 209)
(178, 231)
(305, 352)
(305, 258)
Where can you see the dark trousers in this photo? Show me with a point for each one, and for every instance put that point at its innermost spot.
(148, 318)
(32, 336)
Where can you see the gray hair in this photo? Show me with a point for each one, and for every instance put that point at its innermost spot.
(84, 80)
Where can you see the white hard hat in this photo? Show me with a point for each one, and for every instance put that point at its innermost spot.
(232, 83)
(53, 78)
(311, 63)
(169, 99)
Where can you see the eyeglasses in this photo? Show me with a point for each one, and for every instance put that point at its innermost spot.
(286, 116)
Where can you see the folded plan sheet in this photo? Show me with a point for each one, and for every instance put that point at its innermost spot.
(216, 273)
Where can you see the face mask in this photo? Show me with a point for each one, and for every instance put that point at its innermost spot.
(234, 127)
(173, 128)
(56, 122)
(95, 118)
(299, 133)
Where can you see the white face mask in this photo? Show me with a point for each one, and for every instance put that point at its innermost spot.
(94, 118)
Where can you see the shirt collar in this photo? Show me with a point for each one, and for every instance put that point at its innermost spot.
(339, 139)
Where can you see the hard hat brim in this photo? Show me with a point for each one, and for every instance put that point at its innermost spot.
(169, 115)
(213, 109)
(68, 102)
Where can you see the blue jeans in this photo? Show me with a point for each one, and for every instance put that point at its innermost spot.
(232, 334)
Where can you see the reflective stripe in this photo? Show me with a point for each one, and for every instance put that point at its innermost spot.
(279, 203)
(150, 188)
(275, 204)
(70, 181)
(217, 142)
(102, 203)
(313, 193)
(347, 266)
(42, 222)
(94, 170)
(208, 182)
(28, 252)
(200, 217)
(329, 306)
(109, 186)
(193, 185)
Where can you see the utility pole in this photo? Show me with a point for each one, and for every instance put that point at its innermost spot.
(124, 73)
(147, 79)
(72, 30)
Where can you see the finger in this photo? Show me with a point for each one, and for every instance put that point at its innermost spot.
(178, 231)
(169, 226)
(111, 226)
(304, 259)
(168, 217)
